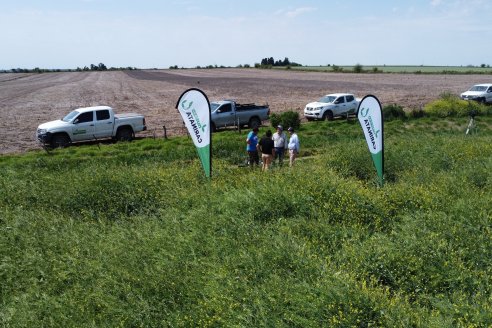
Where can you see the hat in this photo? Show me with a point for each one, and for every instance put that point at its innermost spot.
(280, 127)
(290, 129)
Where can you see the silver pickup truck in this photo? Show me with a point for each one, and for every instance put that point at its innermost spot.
(229, 113)
(90, 123)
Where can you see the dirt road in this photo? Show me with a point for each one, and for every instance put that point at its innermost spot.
(26, 100)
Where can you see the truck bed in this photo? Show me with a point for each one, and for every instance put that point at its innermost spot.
(244, 107)
(127, 115)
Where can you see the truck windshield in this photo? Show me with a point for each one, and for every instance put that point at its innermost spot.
(70, 116)
(327, 99)
(478, 88)
(214, 106)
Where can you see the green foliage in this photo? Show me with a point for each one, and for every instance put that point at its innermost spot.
(270, 62)
(409, 69)
(99, 67)
(133, 235)
(286, 119)
(451, 106)
(358, 68)
(336, 68)
(275, 119)
(416, 113)
(393, 112)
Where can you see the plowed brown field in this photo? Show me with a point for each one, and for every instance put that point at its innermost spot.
(26, 100)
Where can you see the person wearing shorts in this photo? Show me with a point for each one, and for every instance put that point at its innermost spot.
(267, 149)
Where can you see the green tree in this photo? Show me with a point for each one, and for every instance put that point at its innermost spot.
(358, 68)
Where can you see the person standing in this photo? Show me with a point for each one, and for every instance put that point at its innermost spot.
(280, 143)
(267, 149)
(293, 146)
(252, 143)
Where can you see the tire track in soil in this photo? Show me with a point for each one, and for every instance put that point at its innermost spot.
(29, 99)
(26, 85)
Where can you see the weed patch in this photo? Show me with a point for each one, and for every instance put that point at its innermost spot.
(133, 234)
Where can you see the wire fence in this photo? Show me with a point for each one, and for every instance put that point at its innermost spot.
(170, 129)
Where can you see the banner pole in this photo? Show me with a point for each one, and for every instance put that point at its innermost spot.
(210, 138)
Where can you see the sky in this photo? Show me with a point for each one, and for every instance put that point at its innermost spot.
(189, 33)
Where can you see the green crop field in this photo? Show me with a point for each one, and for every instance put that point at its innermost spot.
(417, 69)
(134, 235)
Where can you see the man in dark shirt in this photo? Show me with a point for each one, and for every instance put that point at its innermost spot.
(266, 146)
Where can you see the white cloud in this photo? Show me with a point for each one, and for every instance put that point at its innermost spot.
(463, 7)
(172, 35)
(292, 13)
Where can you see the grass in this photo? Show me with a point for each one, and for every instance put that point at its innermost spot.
(132, 234)
(417, 69)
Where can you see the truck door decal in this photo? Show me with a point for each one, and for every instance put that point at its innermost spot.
(79, 131)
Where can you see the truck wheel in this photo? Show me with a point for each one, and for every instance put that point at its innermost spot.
(124, 134)
(254, 122)
(328, 115)
(60, 141)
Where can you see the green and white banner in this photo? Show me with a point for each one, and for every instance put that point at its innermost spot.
(371, 120)
(195, 111)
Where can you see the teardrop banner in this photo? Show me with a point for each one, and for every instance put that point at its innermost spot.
(370, 117)
(195, 111)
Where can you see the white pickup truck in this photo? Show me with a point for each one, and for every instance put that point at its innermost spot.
(330, 106)
(90, 123)
(229, 113)
(480, 92)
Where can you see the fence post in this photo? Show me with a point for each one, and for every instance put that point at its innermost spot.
(165, 131)
(185, 130)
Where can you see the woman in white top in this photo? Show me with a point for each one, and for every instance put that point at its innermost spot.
(293, 146)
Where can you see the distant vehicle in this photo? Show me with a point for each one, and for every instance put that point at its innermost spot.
(229, 113)
(90, 123)
(331, 106)
(480, 92)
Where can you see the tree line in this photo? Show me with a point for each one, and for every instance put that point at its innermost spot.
(92, 67)
(265, 62)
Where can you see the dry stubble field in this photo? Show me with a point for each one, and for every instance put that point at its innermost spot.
(26, 100)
